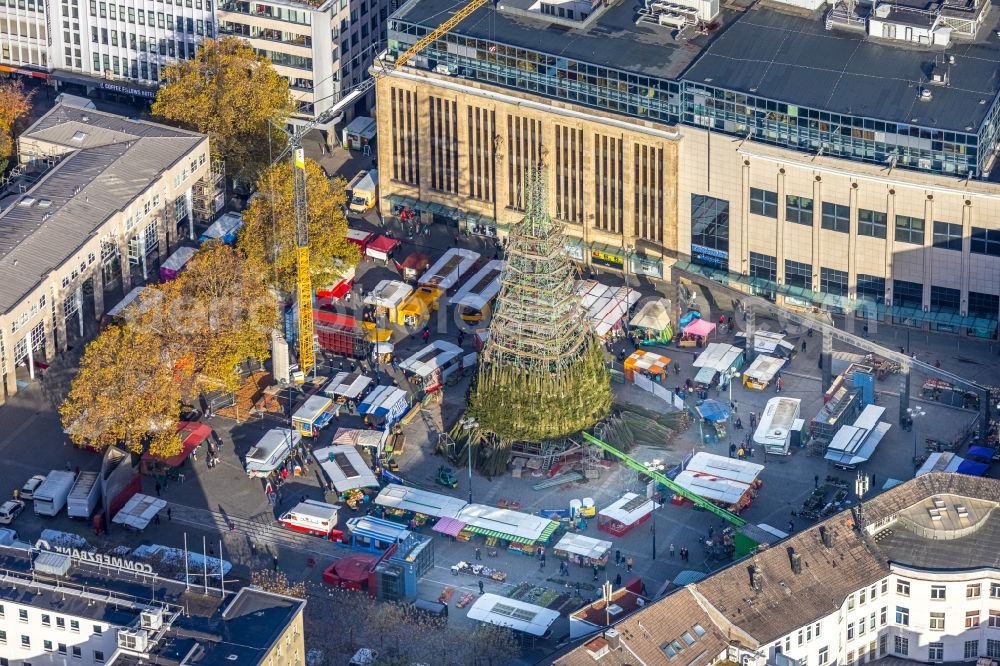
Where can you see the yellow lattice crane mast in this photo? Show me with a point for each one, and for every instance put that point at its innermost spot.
(307, 352)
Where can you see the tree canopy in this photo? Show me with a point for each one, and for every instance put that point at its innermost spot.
(15, 103)
(268, 236)
(232, 94)
(194, 333)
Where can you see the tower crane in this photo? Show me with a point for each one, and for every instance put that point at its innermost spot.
(307, 354)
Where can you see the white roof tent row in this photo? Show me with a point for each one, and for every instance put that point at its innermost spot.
(419, 501)
(448, 270)
(388, 402)
(345, 468)
(856, 444)
(605, 305)
(513, 523)
(139, 511)
(481, 288)
(340, 387)
(718, 356)
(388, 294)
(719, 479)
(430, 358)
(513, 614)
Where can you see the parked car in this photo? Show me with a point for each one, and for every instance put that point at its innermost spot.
(10, 510)
(29, 487)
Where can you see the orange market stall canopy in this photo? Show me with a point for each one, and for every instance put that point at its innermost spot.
(646, 364)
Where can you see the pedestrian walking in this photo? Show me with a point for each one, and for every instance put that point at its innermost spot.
(803, 346)
(791, 526)
(156, 519)
(595, 572)
(816, 481)
(671, 550)
(618, 580)
(479, 554)
(481, 588)
(732, 449)
(541, 562)
(777, 385)
(618, 559)
(753, 420)
(628, 563)
(169, 513)
(741, 453)
(275, 562)
(158, 488)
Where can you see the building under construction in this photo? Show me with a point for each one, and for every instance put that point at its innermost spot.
(542, 374)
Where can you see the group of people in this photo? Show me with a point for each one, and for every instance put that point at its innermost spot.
(684, 552)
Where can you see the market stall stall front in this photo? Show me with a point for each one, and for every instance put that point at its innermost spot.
(762, 372)
(433, 364)
(719, 360)
(348, 389)
(417, 308)
(449, 269)
(729, 482)
(374, 535)
(347, 472)
(513, 614)
(381, 248)
(313, 415)
(359, 238)
(583, 550)
(520, 532)
(386, 299)
(646, 364)
(404, 503)
(625, 514)
(696, 333)
(384, 406)
(271, 452)
(413, 266)
(176, 262)
(653, 323)
(712, 418)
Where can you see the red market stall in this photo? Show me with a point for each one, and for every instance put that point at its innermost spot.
(359, 238)
(630, 511)
(381, 248)
(192, 435)
(696, 333)
(351, 573)
(413, 266)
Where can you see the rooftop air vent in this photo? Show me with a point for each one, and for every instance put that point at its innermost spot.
(44, 203)
(926, 95)
(79, 136)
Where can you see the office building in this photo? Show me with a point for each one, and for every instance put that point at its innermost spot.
(101, 194)
(322, 48)
(819, 156)
(64, 607)
(912, 576)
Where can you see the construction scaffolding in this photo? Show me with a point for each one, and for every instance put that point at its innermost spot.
(208, 196)
(542, 374)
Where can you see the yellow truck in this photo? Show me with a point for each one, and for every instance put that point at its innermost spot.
(364, 191)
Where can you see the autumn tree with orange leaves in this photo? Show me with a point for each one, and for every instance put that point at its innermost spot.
(15, 103)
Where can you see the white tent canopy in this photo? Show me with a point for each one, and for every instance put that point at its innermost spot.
(604, 305)
(504, 521)
(718, 478)
(480, 289)
(514, 614)
(447, 270)
(430, 358)
(139, 511)
(270, 451)
(388, 294)
(419, 501)
(585, 546)
(653, 315)
(345, 468)
(617, 511)
(718, 356)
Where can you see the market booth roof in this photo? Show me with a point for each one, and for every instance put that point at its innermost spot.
(718, 356)
(628, 509)
(699, 327)
(517, 615)
(506, 524)
(345, 468)
(449, 526)
(654, 315)
(584, 546)
(419, 501)
(713, 410)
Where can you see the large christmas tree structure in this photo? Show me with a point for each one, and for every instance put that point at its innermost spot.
(541, 374)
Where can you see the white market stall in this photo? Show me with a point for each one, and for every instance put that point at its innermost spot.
(387, 296)
(522, 532)
(404, 501)
(779, 423)
(583, 550)
(176, 262)
(372, 439)
(768, 342)
(513, 614)
(625, 514)
(605, 306)
(434, 363)
(385, 405)
(138, 511)
(762, 372)
(345, 468)
(727, 481)
(345, 389)
(653, 322)
(719, 359)
(448, 270)
(271, 451)
(225, 229)
(856, 444)
(481, 288)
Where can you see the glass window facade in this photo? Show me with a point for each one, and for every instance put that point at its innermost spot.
(907, 294)
(836, 217)
(985, 241)
(871, 223)
(798, 210)
(909, 229)
(948, 236)
(709, 230)
(763, 266)
(832, 281)
(871, 287)
(764, 202)
(983, 305)
(798, 274)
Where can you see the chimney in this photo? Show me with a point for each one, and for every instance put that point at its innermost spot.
(756, 578)
(826, 536)
(613, 638)
(796, 563)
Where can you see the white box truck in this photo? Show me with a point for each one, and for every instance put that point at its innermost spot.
(83, 498)
(50, 497)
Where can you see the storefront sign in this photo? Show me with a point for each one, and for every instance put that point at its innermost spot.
(96, 558)
(607, 259)
(573, 249)
(709, 256)
(126, 90)
(643, 266)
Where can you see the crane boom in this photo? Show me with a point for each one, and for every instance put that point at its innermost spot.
(439, 31)
(307, 354)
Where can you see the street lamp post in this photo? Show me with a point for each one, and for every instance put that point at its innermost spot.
(469, 424)
(654, 466)
(914, 413)
(732, 374)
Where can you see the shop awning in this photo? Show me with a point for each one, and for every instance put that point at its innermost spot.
(449, 526)
(699, 327)
(497, 535)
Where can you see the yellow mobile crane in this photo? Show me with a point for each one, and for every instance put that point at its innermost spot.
(307, 353)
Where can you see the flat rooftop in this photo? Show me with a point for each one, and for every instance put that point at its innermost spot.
(612, 40)
(791, 57)
(109, 162)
